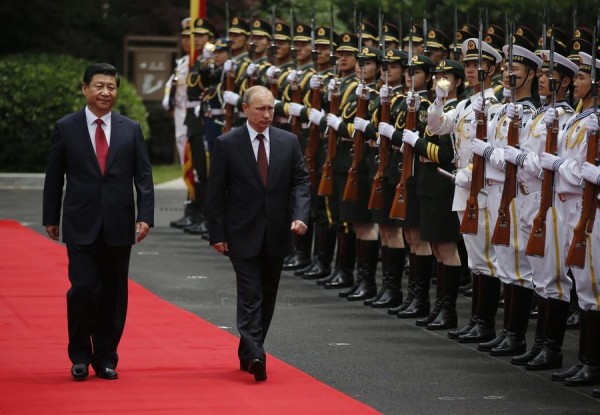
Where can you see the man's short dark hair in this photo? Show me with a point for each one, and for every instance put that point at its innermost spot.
(102, 69)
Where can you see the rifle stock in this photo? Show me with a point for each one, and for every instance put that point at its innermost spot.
(314, 135)
(351, 188)
(577, 250)
(376, 198)
(537, 239)
(470, 221)
(326, 184)
(400, 202)
(501, 234)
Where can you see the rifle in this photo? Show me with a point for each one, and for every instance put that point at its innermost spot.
(470, 220)
(400, 202)
(229, 76)
(351, 188)
(326, 184)
(296, 90)
(314, 134)
(578, 248)
(501, 234)
(376, 198)
(537, 239)
(274, 86)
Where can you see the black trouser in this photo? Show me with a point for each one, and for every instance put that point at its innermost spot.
(97, 301)
(257, 283)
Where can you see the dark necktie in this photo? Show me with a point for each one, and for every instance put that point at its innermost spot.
(101, 145)
(261, 159)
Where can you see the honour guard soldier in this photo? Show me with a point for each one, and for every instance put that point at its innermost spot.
(514, 269)
(204, 32)
(459, 122)
(552, 285)
(260, 37)
(416, 100)
(392, 36)
(569, 162)
(438, 224)
(437, 45)
(393, 251)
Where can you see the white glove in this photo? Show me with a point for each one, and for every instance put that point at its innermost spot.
(514, 156)
(295, 109)
(360, 124)
(197, 111)
(549, 116)
(359, 89)
(293, 77)
(231, 98)
(315, 116)
(591, 124)
(478, 104)
(384, 92)
(550, 161)
(462, 179)
(386, 130)
(272, 72)
(441, 91)
(481, 148)
(513, 110)
(165, 102)
(315, 82)
(230, 65)
(590, 173)
(330, 88)
(207, 52)
(334, 121)
(413, 96)
(410, 137)
(506, 93)
(251, 69)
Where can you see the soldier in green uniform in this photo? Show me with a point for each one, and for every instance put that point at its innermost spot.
(439, 225)
(204, 32)
(256, 71)
(344, 83)
(419, 84)
(437, 45)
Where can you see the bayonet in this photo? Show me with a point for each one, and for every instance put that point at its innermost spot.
(227, 39)
(292, 46)
(273, 45)
(252, 46)
(425, 33)
(544, 35)
(400, 29)
(313, 49)
(411, 69)
(455, 40)
(512, 78)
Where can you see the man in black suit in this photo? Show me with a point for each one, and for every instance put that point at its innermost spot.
(258, 194)
(104, 156)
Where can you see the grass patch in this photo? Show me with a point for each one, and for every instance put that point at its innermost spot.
(164, 172)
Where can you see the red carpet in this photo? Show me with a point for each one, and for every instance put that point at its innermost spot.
(171, 362)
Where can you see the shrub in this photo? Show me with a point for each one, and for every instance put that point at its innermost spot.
(37, 90)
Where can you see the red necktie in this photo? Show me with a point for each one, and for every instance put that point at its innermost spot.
(101, 145)
(261, 159)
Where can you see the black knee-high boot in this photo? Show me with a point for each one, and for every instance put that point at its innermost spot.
(540, 335)
(550, 356)
(419, 307)
(392, 296)
(447, 317)
(454, 334)
(367, 255)
(514, 342)
(410, 290)
(589, 351)
(486, 307)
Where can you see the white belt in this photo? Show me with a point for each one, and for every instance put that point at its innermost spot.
(192, 104)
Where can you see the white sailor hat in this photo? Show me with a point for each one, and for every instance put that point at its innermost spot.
(585, 62)
(471, 52)
(524, 56)
(561, 64)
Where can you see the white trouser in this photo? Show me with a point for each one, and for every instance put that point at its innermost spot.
(549, 273)
(481, 253)
(180, 132)
(586, 279)
(513, 264)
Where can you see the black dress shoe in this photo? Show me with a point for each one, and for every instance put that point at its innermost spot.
(489, 345)
(528, 356)
(107, 373)
(567, 373)
(548, 358)
(258, 369)
(79, 371)
(588, 375)
(456, 333)
(243, 366)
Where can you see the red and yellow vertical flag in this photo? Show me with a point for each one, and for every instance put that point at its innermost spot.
(197, 9)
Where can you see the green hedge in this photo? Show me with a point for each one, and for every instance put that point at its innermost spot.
(37, 90)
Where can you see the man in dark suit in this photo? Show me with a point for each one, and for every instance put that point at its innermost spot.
(104, 156)
(258, 194)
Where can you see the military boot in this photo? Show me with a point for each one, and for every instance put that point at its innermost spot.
(301, 256)
(410, 289)
(454, 334)
(392, 296)
(485, 306)
(447, 317)
(589, 351)
(437, 306)
(323, 253)
(514, 343)
(419, 307)
(540, 335)
(550, 356)
(367, 255)
(384, 276)
(346, 249)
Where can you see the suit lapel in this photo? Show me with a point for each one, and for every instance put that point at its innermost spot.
(86, 141)
(115, 130)
(247, 153)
